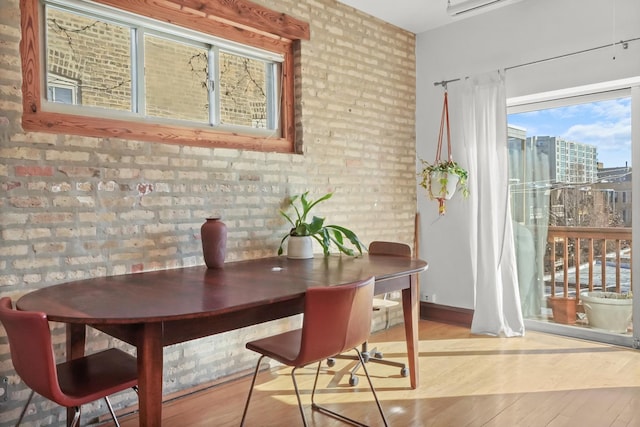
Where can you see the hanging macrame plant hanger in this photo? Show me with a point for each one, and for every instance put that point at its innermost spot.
(449, 180)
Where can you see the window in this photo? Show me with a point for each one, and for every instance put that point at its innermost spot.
(61, 90)
(119, 68)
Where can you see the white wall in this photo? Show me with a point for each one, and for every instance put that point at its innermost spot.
(530, 30)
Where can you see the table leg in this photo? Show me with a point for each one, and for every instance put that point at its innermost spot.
(150, 364)
(75, 341)
(410, 308)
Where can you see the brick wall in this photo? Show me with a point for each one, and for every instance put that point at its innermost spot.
(74, 207)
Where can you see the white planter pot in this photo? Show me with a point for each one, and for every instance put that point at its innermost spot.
(436, 188)
(610, 314)
(299, 247)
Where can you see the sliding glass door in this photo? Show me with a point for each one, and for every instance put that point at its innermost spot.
(571, 187)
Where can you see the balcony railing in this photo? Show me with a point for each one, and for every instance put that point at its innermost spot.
(586, 259)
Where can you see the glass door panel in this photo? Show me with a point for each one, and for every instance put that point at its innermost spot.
(571, 192)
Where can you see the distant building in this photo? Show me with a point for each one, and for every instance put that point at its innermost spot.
(552, 176)
(573, 162)
(569, 162)
(616, 184)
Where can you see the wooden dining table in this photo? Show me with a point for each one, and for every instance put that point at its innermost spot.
(154, 309)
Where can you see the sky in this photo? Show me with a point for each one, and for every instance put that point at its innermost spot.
(605, 124)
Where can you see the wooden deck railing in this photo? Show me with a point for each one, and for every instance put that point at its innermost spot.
(570, 248)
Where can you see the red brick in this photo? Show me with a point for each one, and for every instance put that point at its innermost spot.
(34, 170)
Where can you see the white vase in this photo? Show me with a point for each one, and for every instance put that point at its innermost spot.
(436, 189)
(300, 247)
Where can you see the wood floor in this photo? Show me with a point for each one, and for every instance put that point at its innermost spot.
(466, 380)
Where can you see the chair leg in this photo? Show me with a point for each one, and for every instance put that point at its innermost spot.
(24, 410)
(76, 417)
(373, 390)
(343, 417)
(253, 382)
(373, 356)
(376, 357)
(295, 386)
(111, 411)
(113, 414)
(315, 382)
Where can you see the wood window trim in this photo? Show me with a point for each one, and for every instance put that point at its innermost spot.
(238, 20)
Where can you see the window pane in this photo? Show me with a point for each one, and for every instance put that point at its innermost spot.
(94, 53)
(61, 95)
(176, 80)
(243, 91)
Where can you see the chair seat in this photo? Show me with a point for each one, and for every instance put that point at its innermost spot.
(72, 383)
(283, 347)
(92, 377)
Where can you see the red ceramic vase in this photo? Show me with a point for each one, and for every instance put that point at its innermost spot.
(213, 234)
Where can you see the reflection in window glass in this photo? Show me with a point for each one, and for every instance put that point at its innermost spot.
(94, 53)
(243, 91)
(61, 95)
(176, 80)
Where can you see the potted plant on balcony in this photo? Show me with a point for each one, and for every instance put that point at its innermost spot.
(300, 245)
(563, 306)
(611, 311)
(442, 178)
(564, 309)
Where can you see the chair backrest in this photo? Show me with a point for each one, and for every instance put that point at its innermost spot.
(389, 248)
(336, 319)
(31, 350)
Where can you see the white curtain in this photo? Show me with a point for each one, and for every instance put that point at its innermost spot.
(483, 113)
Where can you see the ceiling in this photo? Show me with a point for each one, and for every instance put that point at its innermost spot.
(417, 16)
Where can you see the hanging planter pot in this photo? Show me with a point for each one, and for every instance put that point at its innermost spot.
(443, 185)
(442, 178)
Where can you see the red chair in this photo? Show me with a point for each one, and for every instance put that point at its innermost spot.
(336, 319)
(69, 384)
(374, 355)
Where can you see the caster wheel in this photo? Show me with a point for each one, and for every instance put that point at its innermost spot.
(353, 380)
(378, 355)
(404, 372)
(331, 363)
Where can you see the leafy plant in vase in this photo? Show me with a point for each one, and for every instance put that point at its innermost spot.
(442, 178)
(303, 230)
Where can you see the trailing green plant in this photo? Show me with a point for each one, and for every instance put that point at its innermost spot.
(446, 168)
(612, 295)
(326, 235)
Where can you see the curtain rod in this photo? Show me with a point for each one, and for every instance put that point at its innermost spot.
(444, 83)
(624, 43)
